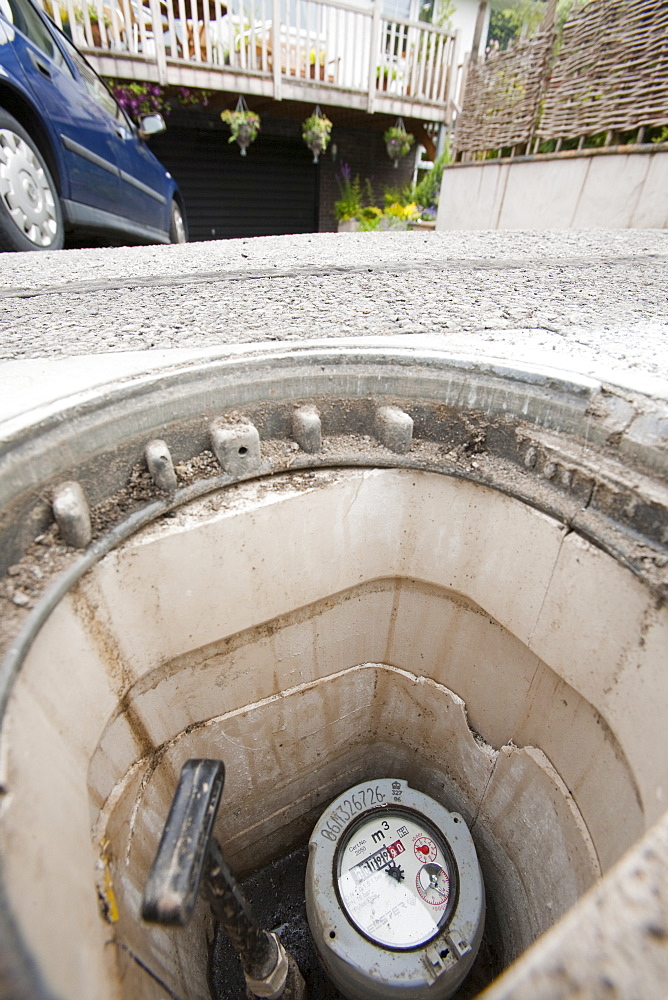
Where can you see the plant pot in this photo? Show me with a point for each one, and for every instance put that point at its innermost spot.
(244, 138)
(394, 152)
(316, 149)
(349, 226)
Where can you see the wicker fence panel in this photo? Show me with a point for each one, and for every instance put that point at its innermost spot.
(611, 73)
(503, 94)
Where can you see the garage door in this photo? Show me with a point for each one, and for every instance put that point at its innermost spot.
(269, 192)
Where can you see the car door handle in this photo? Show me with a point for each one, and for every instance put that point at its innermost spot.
(40, 65)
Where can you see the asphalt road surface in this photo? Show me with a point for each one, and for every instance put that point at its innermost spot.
(595, 300)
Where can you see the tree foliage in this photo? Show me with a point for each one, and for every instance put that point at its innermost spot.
(510, 18)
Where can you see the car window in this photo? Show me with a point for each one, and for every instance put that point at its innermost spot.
(93, 83)
(23, 16)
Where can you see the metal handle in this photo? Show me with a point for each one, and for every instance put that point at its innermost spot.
(173, 884)
(39, 64)
(189, 857)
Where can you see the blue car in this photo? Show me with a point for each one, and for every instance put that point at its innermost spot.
(70, 158)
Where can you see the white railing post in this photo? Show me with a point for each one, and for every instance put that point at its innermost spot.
(374, 55)
(130, 36)
(159, 41)
(378, 60)
(276, 47)
(453, 71)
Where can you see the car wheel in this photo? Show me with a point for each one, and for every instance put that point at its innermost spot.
(177, 227)
(30, 214)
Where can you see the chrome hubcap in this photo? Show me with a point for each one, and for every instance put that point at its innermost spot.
(179, 228)
(25, 190)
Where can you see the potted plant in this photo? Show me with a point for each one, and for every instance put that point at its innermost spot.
(398, 141)
(349, 208)
(384, 77)
(139, 98)
(316, 130)
(79, 36)
(316, 72)
(93, 17)
(397, 216)
(244, 124)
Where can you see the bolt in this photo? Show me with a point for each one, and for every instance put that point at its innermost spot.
(236, 446)
(307, 428)
(531, 457)
(160, 465)
(72, 514)
(394, 429)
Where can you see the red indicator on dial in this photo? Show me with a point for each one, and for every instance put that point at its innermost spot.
(425, 849)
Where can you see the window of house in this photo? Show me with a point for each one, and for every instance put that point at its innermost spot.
(412, 10)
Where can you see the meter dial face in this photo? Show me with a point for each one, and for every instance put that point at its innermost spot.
(433, 884)
(396, 878)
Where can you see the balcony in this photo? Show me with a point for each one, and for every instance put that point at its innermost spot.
(320, 51)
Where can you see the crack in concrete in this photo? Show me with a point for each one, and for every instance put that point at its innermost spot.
(568, 529)
(325, 271)
(360, 484)
(145, 968)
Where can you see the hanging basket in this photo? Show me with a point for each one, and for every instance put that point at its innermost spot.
(316, 130)
(244, 125)
(398, 142)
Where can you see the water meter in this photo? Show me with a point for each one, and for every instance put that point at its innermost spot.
(394, 894)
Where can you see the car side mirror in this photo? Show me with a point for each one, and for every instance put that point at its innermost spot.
(151, 125)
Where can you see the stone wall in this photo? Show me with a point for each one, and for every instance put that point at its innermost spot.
(594, 189)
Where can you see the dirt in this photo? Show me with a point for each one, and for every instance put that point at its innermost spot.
(26, 581)
(202, 466)
(138, 491)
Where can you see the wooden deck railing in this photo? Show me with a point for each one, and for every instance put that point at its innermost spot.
(273, 46)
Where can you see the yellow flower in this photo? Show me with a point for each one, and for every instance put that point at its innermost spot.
(398, 211)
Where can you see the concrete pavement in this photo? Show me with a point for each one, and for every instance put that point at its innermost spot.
(595, 301)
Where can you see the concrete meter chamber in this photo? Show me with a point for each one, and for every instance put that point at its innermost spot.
(338, 567)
